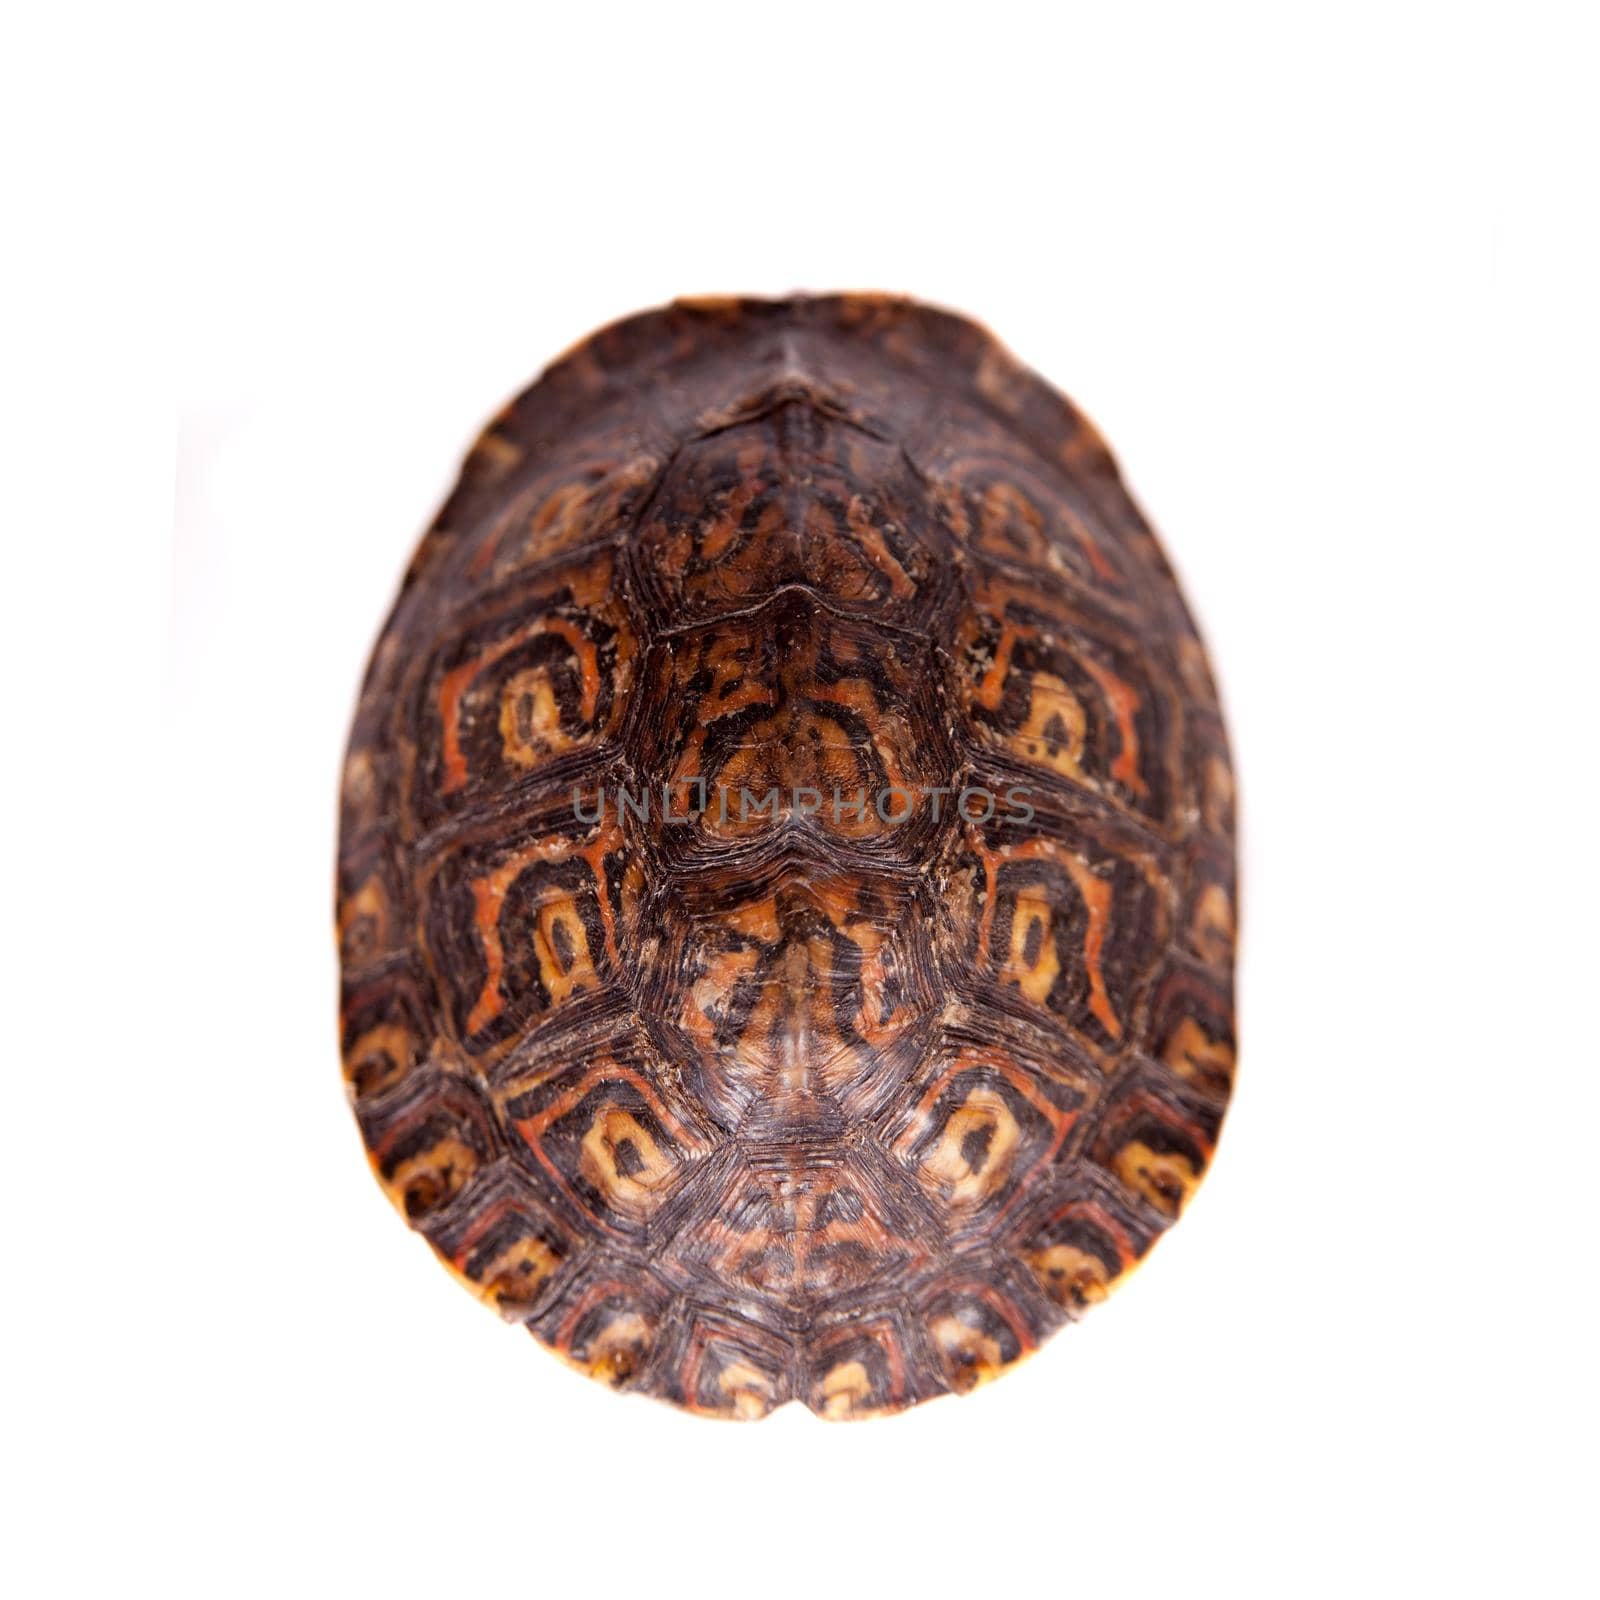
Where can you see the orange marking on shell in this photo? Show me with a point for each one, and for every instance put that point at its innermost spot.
(451, 688)
(588, 660)
(595, 858)
(685, 795)
(633, 1193)
(690, 1371)
(992, 689)
(757, 920)
(1123, 699)
(897, 1365)
(1165, 1178)
(1096, 893)
(735, 686)
(378, 1057)
(843, 1385)
(482, 557)
(486, 899)
(634, 1325)
(1217, 798)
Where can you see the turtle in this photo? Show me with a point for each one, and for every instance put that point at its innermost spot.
(785, 889)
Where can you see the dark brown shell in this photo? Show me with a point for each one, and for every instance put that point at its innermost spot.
(731, 1096)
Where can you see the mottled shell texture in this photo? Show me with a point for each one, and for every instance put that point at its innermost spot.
(786, 872)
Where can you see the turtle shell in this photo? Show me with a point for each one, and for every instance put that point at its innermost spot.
(786, 866)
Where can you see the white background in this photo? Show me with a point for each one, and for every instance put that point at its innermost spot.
(1325, 276)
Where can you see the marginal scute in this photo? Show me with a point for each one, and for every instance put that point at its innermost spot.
(1156, 1141)
(504, 1241)
(427, 1145)
(977, 1330)
(786, 894)
(732, 1368)
(611, 1344)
